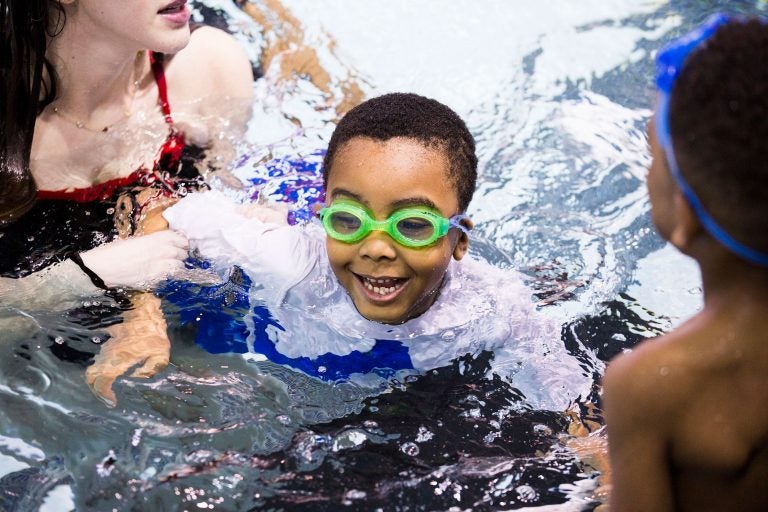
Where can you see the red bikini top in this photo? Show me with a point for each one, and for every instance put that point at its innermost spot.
(165, 163)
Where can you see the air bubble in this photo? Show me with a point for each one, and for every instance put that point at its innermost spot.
(410, 449)
(526, 493)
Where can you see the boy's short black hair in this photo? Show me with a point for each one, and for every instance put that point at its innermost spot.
(719, 124)
(415, 117)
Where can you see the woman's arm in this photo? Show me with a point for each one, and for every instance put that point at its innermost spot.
(140, 341)
(214, 73)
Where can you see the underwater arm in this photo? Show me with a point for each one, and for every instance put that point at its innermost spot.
(140, 340)
(638, 441)
(287, 57)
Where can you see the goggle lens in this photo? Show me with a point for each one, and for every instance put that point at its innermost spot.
(349, 222)
(416, 228)
(345, 223)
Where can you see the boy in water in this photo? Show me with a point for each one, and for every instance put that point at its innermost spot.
(383, 286)
(686, 414)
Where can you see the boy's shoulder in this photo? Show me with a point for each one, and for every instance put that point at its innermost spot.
(666, 377)
(654, 378)
(703, 350)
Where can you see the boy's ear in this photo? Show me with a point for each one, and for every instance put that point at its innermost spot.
(462, 244)
(687, 226)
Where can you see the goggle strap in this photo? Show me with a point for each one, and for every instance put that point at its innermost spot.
(669, 63)
(455, 222)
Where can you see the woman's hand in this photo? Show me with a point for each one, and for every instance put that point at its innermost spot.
(138, 262)
(139, 341)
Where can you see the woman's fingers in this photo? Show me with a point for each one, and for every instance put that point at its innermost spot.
(153, 365)
(102, 374)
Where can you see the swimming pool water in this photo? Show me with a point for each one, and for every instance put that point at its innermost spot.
(557, 95)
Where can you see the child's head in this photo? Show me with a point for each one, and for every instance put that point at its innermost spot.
(711, 129)
(412, 160)
(410, 116)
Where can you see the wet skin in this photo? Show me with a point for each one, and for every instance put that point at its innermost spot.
(661, 186)
(387, 282)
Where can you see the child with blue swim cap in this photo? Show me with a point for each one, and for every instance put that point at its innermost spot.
(381, 284)
(686, 415)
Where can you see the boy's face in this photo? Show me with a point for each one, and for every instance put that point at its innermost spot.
(385, 177)
(661, 186)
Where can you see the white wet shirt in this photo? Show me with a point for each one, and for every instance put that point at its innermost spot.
(480, 307)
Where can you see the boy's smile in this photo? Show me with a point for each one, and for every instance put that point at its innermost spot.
(388, 282)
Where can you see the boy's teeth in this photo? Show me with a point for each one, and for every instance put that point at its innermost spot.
(381, 286)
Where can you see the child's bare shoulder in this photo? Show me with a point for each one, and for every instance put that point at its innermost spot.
(647, 373)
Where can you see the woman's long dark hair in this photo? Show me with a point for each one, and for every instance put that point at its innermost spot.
(27, 85)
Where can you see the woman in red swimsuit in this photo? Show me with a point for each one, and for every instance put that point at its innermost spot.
(86, 89)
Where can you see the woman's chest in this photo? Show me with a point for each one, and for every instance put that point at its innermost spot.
(67, 157)
(63, 160)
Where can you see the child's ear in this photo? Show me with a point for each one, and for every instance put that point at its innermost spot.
(462, 244)
(687, 226)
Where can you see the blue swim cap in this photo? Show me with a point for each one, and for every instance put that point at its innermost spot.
(669, 63)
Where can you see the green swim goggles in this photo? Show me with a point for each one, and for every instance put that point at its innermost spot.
(349, 222)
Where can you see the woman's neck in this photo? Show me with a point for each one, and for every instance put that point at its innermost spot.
(96, 83)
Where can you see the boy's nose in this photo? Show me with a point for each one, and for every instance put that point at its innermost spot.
(378, 245)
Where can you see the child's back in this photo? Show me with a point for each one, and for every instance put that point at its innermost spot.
(689, 416)
(686, 414)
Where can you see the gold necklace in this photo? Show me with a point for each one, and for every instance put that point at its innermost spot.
(128, 112)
